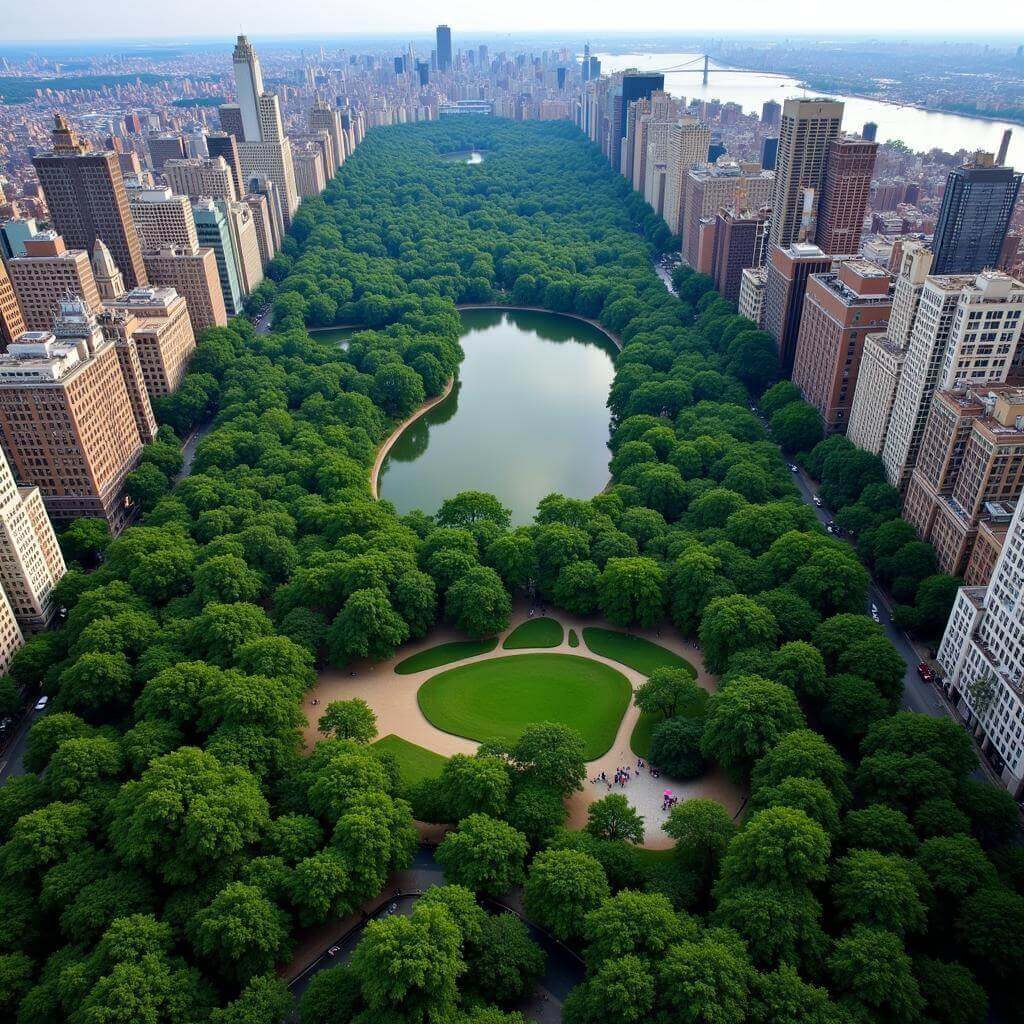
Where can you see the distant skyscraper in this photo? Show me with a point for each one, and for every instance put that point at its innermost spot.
(844, 194)
(974, 218)
(769, 154)
(249, 84)
(1004, 146)
(634, 87)
(444, 48)
(805, 134)
(164, 147)
(770, 113)
(196, 176)
(869, 131)
(85, 193)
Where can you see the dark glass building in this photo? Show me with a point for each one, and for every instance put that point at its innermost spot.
(634, 87)
(976, 210)
(444, 48)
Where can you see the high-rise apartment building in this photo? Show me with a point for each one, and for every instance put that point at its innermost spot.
(12, 323)
(246, 245)
(771, 113)
(264, 232)
(444, 48)
(844, 194)
(67, 424)
(982, 656)
(965, 333)
(194, 276)
(164, 147)
(310, 177)
(162, 218)
(48, 274)
(231, 121)
(85, 193)
(751, 297)
(214, 233)
(840, 309)
(30, 559)
(323, 117)
(196, 176)
(634, 87)
(225, 146)
(739, 242)
(806, 131)
(975, 216)
(786, 274)
(688, 142)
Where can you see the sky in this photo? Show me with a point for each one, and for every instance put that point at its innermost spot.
(101, 19)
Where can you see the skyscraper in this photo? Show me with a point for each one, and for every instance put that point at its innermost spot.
(770, 113)
(222, 144)
(688, 142)
(11, 321)
(444, 48)
(46, 275)
(806, 131)
(869, 131)
(786, 274)
(844, 194)
(249, 85)
(975, 216)
(196, 176)
(85, 193)
(634, 87)
(214, 233)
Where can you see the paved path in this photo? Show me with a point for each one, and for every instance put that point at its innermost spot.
(393, 699)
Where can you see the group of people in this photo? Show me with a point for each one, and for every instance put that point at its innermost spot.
(668, 800)
(623, 774)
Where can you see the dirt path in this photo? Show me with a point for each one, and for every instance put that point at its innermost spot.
(393, 699)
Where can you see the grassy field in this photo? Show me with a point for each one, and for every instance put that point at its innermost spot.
(574, 640)
(444, 654)
(534, 633)
(414, 763)
(633, 651)
(498, 698)
(640, 741)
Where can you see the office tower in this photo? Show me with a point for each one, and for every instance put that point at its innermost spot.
(1004, 146)
(840, 308)
(13, 234)
(687, 145)
(324, 118)
(162, 218)
(194, 275)
(47, 274)
(265, 152)
(165, 147)
(85, 193)
(12, 323)
(162, 331)
(214, 233)
(786, 274)
(869, 131)
(66, 419)
(201, 177)
(231, 121)
(266, 188)
(769, 153)
(751, 297)
(982, 656)
(975, 216)
(246, 246)
(770, 113)
(261, 219)
(707, 190)
(634, 87)
(423, 71)
(806, 131)
(739, 240)
(109, 280)
(225, 146)
(884, 353)
(310, 179)
(972, 454)
(444, 48)
(844, 194)
(30, 558)
(965, 333)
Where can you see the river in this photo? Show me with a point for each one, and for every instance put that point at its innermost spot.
(526, 417)
(921, 130)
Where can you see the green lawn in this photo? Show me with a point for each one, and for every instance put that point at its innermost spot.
(445, 654)
(534, 633)
(414, 763)
(633, 651)
(574, 640)
(640, 741)
(498, 698)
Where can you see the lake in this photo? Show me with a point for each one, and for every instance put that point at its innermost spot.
(340, 335)
(465, 156)
(919, 129)
(527, 416)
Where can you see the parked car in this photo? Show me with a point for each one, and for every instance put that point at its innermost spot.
(334, 951)
(42, 702)
(818, 502)
(925, 672)
(874, 613)
(794, 468)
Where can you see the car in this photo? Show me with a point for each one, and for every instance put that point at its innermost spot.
(925, 672)
(818, 502)
(334, 951)
(42, 702)
(874, 613)
(794, 468)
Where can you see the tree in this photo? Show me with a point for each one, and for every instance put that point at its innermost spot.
(676, 748)
(484, 854)
(506, 964)
(878, 827)
(78, 764)
(45, 836)
(398, 390)
(809, 795)
(633, 923)
(226, 578)
(989, 931)
(474, 784)
(797, 427)
(705, 980)
(956, 866)
(576, 588)
(146, 486)
(875, 658)
(366, 627)
(478, 604)
(781, 996)
(746, 719)
(265, 1000)
(668, 692)
(781, 847)
(48, 733)
(871, 971)
(15, 981)
(620, 991)
(852, 706)
(563, 886)
(613, 817)
(632, 591)
(801, 667)
(349, 720)
(553, 755)
(951, 995)
(878, 890)
(804, 754)
(702, 830)
(85, 541)
(95, 682)
(731, 623)
(466, 509)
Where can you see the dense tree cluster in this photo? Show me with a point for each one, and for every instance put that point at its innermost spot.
(173, 836)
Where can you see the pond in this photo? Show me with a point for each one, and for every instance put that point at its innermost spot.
(464, 156)
(340, 335)
(526, 417)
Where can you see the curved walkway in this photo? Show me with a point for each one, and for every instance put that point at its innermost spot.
(393, 699)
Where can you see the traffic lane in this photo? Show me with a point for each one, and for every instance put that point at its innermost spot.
(12, 762)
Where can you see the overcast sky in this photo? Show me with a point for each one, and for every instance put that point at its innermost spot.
(100, 19)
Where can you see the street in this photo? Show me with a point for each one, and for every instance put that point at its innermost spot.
(12, 761)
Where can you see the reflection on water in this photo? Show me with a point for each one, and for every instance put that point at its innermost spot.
(920, 129)
(464, 156)
(340, 335)
(526, 417)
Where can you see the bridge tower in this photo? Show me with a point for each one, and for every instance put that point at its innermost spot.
(706, 58)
